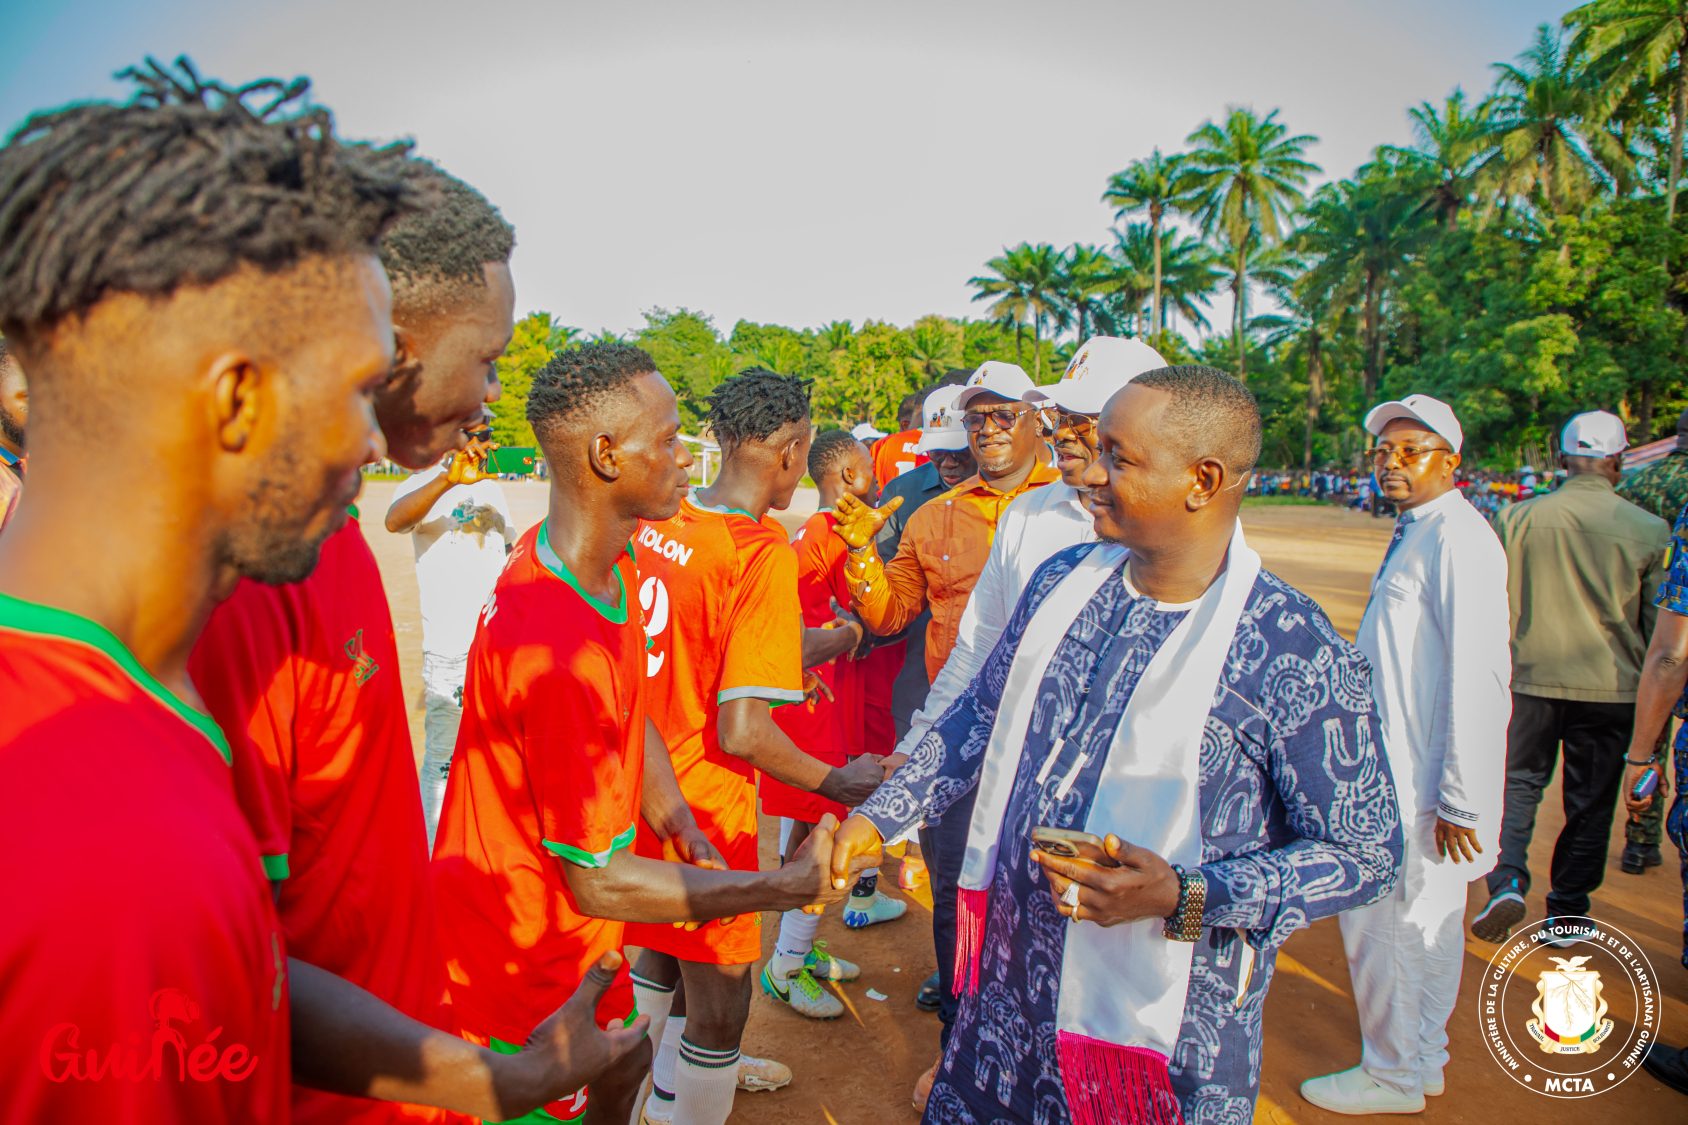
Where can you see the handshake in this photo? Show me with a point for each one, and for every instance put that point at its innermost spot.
(825, 866)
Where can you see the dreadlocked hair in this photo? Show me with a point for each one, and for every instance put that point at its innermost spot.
(829, 449)
(754, 405)
(581, 379)
(183, 185)
(449, 241)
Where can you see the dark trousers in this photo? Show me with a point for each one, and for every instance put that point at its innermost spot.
(944, 845)
(1594, 737)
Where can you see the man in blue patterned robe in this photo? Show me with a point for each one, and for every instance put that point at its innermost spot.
(1298, 817)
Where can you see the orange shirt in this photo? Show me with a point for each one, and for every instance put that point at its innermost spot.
(305, 680)
(944, 548)
(549, 769)
(895, 455)
(719, 594)
(137, 932)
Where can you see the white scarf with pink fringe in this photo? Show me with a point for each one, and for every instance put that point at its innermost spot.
(1123, 987)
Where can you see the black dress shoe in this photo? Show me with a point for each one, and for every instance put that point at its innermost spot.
(930, 996)
(1638, 857)
(1669, 1065)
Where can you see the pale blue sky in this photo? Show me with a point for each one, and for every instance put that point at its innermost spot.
(787, 161)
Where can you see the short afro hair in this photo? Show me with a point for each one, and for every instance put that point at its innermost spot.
(1212, 414)
(580, 380)
(183, 185)
(754, 405)
(830, 449)
(447, 243)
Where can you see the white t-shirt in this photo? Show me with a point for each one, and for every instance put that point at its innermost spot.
(460, 548)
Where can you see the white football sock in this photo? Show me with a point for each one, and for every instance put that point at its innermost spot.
(797, 938)
(705, 1083)
(653, 1000)
(667, 1060)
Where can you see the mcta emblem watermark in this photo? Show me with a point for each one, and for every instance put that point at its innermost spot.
(1568, 1007)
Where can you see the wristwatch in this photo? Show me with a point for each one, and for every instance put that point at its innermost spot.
(1185, 921)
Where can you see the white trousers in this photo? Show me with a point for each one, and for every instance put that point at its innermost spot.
(1404, 955)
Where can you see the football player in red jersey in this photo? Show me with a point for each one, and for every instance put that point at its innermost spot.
(305, 679)
(718, 582)
(192, 284)
(557, 762)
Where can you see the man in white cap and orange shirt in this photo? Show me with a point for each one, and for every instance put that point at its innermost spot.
(1584, 573)
(1436, 633)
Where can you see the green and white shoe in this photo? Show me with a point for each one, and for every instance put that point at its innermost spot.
(803, 995)
(822, 965)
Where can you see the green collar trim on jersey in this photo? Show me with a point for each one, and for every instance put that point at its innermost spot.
(548, 557)
(580, 857)
(30, 617)
(719, 509)
(275, 867)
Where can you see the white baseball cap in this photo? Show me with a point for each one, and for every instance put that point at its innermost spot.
(1100, 368)
(940, 421)
(867, 431)
(995, 378)
(1434, 414)
(1594, 434)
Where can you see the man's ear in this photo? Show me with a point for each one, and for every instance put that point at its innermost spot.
(407, 356)
(788, 453)
(239, 398)
(1208, 478)
(604, 456)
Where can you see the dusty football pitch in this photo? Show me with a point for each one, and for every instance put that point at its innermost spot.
(861, 1068)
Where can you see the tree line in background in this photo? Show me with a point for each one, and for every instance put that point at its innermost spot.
(1522, 259)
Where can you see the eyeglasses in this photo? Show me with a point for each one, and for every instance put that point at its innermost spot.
(1080, 424)
(1004, 417)
(1381, 455)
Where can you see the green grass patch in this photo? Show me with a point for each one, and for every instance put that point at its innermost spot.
(1281, 501)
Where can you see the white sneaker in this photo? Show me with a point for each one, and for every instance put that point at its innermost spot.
(858, 913)
(656, 1112)
(824, 965)
(755, 1075)
(1356, 1093)
(1433, 1083)
(802, 994)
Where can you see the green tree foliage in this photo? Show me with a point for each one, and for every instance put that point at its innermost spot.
(537, 337)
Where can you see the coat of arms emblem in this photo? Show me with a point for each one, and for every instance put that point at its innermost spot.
(1569, 1010)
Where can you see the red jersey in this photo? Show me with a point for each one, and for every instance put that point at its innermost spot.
(895, 455)
(719, 591)
(549, 768)
(144, 970)
(305, 680)
(830, 730)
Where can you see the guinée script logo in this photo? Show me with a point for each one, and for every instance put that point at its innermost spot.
(167, 1054)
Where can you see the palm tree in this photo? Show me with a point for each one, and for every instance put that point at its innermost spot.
(1304, 323)
(1645, 40)
(1359, 236)
(1450, 143)
(836, 336)
(1024, 288)
(1087, 272)
(935, 346)
(1545, 120)
(1193, 275)
(1153, 185)
(1248, 175)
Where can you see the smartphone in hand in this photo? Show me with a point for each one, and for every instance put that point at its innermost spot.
(1069, 843)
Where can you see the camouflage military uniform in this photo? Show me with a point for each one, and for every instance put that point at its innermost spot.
(1660, 488)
